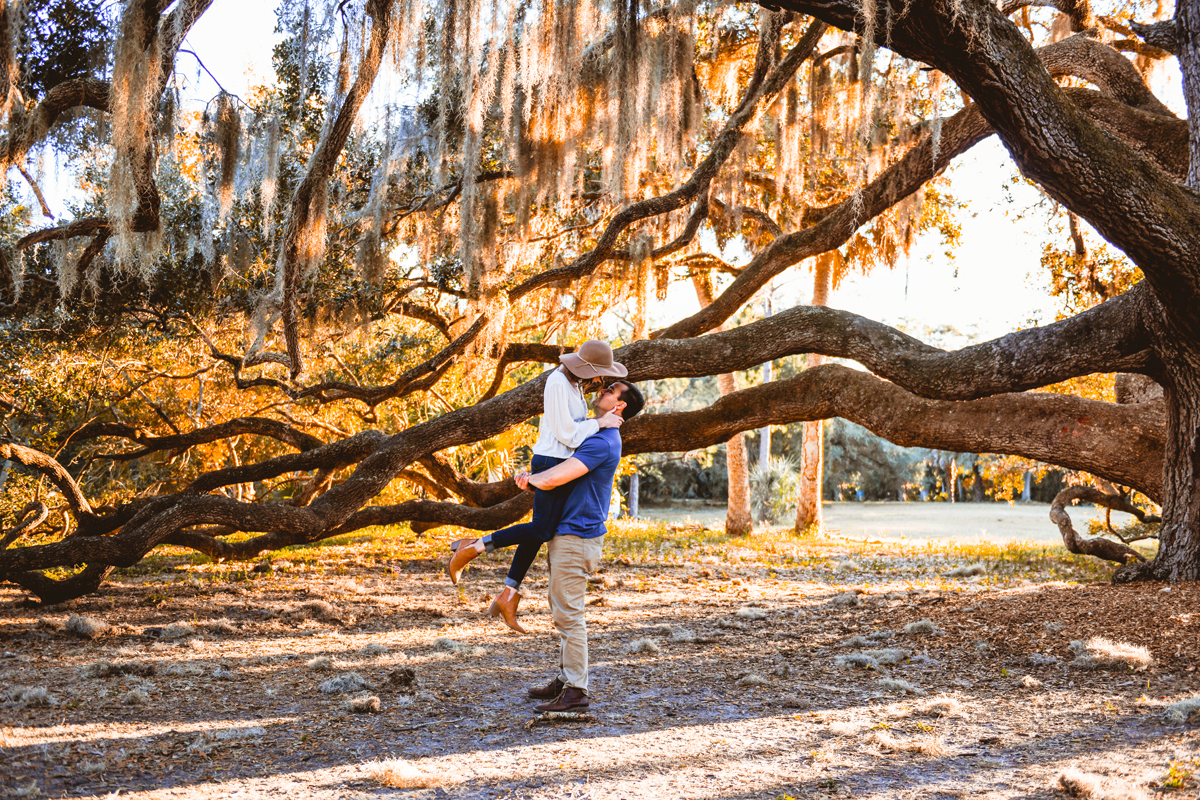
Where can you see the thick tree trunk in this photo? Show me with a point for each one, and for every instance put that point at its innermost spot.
(1178, 557)
(812, 454)
(980, 491)
(1187, 35)
(738, 519)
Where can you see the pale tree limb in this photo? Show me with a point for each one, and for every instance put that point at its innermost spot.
(37, 192)
(305, 222)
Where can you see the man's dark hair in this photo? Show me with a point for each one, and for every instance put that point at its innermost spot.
(633, 400)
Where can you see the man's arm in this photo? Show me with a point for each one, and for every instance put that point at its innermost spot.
(557, 475)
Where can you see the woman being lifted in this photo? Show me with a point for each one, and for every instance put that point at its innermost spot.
(563, 428)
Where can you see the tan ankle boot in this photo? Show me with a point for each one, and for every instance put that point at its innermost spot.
(465, 554)
(507, 609)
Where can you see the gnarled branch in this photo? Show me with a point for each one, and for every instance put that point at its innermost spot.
(48, 466)
(1097, 546)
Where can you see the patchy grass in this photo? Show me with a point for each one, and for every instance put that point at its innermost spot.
(343, 684)
(1101, 653)
(398, 774)
(922, 627)
(176, 630)
(363, 704)
(447, 645)
(87, 627)
(1088, 786)
(942, 707)
(1179, 712)
(897, 686)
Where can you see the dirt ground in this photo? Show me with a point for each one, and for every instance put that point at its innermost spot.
(720, 670)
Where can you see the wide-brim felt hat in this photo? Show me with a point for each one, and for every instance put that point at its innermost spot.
(593, 359)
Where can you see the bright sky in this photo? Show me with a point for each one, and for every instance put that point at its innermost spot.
(993, 285)
(234, 39)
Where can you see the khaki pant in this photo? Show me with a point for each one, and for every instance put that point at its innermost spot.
(571, 560)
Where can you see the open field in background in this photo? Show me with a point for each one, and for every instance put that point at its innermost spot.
(774, 667)
(997, 522)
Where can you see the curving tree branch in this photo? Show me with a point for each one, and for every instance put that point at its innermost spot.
(515, 352)
(835, 226)
(28, 518)
(1097, 546)
(48, 466)
(1112, 73)
(28, 130)
(1158, 34)
(1145, 126)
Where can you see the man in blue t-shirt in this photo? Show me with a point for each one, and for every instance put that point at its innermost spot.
(575, 550)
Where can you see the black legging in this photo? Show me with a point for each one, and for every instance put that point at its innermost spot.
(528, 536)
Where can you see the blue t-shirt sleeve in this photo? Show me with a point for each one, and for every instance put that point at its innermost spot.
(594, 451)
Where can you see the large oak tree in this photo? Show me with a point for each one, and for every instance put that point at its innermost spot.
(560, 161)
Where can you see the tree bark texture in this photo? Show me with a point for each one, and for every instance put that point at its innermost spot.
(1178, 557)
(739, 519)
(1187, 41)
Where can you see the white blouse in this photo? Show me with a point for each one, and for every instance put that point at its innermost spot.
(565, 422)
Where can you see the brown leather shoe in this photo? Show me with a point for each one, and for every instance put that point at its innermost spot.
(507, 609)
(465, 554)
(571, 699)
(548, 692)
